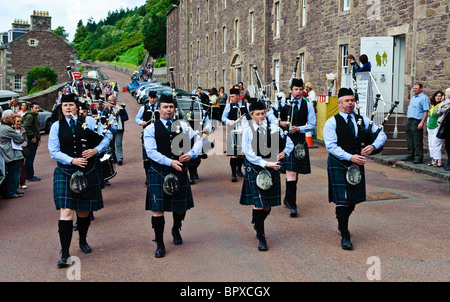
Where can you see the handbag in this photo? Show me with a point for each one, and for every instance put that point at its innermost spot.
(442, 132)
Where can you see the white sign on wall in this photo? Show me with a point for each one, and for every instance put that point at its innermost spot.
(380, 51)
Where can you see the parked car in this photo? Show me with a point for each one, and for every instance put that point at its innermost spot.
(45, 120)
(166, 91)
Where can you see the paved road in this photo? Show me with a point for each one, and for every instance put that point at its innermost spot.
(405, 226)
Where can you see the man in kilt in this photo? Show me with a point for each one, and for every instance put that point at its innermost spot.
(235, 117)
(340, 134)
(264, 147)
(75, 146)
(297, 119)
(170, 144)
(146, 115)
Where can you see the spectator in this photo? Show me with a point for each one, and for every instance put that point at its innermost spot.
(23, 109)
(204, 99)
(434, 143)
(108, 91)
(18, 119)
(366, 66)
(416, 115)
(311, 94)
(97, 91)
(243, 91)
(215, 104)
(32, 125)
(223, 100)
(10, 142)
(443, 108)
(14, 104)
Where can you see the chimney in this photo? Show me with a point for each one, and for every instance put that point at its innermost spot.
(40, 20)
(20, 24)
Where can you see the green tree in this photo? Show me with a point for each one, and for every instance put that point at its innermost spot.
(41, 73)
(60, 30)
(155, 36)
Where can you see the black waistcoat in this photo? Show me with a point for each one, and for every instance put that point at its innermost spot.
(71, 143)
(233, 114)
(168, 143)
(345, 139)
(148, 113)
(263, 148)
(298, 119)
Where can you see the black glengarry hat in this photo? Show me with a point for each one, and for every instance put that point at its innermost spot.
(345, 91)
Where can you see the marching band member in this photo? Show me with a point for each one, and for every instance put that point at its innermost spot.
(299, 118)
(169, 144)
(233, 116)
(264, 149)
(70, 191)
(146, 115)
(121, 116)
(340, 134)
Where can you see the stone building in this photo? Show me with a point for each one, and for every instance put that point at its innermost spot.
(36, 46)
(213, 43)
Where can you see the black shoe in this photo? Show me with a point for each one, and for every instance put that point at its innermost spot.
(406, 158)
(293, 213)
(192, 181)
(120, 163)
(177, 240)
(62, 263)
(160, 251)
(262, 246)
(107, 183)
(346, 243)
(417, 161)
(233, 178)
(240, 174)
(75, 227)
(85, 248)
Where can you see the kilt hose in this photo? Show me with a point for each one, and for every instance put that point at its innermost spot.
(157, 200)
(290, 163)
(90, 200)
(339, 190)
(252, 195)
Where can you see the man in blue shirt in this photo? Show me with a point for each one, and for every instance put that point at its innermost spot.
(341, 137)
(417, 114)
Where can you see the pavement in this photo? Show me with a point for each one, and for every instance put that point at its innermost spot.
(396, 162)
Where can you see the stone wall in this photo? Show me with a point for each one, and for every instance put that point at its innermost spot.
(195, 34)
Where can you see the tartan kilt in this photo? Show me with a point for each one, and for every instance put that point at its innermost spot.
(339, 190)
(90, 200)
(157, 200)
(290, 163)
(252, 195)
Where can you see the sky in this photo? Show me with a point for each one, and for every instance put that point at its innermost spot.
(63, 12)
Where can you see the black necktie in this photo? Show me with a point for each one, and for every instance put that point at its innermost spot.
(153, 107)
(350, 124)
(295, 107)
(169, 126)
(72, 125)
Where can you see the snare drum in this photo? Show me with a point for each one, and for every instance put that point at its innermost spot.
(108, 169)
(234, 142)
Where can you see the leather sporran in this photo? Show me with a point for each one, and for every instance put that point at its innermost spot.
(353, 175)
(171, 185)
(264, 180)
(78, 183)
